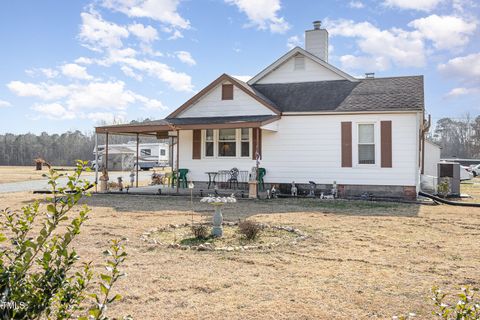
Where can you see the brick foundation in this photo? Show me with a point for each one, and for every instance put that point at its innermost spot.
(345, 191)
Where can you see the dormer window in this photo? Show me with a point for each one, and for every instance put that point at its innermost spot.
(227, 91)
(299, 63)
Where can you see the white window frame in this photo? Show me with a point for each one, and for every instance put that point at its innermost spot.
(356, 138)
(238, 144)
(233, 140)
(204, 141)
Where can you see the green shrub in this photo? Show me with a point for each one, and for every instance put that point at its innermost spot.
(466, 307)
(200, 231)
(249, 229)
(37, 277)
(443, 187)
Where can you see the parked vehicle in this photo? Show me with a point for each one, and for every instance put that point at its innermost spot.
(123, 156)
(465, 173)
(475, 169)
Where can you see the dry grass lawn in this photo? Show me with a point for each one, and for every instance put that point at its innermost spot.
(362, 260)
(25, 173)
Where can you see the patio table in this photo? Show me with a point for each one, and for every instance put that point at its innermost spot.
(211, 178)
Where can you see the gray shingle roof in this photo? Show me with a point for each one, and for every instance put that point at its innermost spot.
(379, 94)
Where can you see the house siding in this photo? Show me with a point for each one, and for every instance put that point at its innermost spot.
(308, 148)
(212, 105)
(432, 158)
(312, 72)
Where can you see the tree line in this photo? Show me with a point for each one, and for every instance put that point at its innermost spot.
(458, 138)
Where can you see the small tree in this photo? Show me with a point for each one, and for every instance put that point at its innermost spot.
(37, 277)
(466, 308)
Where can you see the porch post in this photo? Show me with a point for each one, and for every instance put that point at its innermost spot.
(257, 155)
(106, 152)
(96, 161)
(178, 152)
(136, 168)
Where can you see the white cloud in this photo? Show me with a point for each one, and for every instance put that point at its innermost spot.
(466, 68)
(262, 14)
(351, 62)
(243, 78)
(100, 95)
(42, 90)
(186, 57)
(83, 60)
(46, 72)
(356, 4)
(164, 11)
(130, 73)
(178, 81)
(75, 71)
(464, 5)
(393, 46)
(446, 32)
(294, 41)
(75, 101)
(4, 103)
(456, 92)
(145, 34)
(53, 111)
(421, 5)
(175, 35)
(98, 34)
(150, 104)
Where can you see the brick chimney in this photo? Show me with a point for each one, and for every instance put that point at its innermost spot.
(316, 41)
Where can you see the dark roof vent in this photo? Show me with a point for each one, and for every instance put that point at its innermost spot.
(317, 24)
(370, 75)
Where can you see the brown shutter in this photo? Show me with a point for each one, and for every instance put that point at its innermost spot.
(257, 136)
(346, 144)
(227, 92)
(386, 143)
(197, 144)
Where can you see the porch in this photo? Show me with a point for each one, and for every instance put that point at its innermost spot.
(223, 175)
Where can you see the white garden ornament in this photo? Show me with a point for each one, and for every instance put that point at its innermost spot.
(218, 202)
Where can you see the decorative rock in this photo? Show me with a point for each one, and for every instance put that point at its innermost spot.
(202, 248)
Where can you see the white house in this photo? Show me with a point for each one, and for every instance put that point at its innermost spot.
(305, 120)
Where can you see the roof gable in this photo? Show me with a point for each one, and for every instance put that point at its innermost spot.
(241, 86)
(321, 70)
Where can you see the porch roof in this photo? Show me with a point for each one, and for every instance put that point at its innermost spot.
(171, 124)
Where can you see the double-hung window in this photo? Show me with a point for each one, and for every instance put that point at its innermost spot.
(209, 143)
(227, 143)
(245, 142)
(366, 143)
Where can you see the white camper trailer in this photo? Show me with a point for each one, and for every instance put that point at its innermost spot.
(123, 156)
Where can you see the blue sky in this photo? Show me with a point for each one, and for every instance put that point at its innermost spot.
(68, 64)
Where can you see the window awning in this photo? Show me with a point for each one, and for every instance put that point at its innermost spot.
(171, 124)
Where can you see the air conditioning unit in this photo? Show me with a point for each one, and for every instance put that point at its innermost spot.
(450, 171)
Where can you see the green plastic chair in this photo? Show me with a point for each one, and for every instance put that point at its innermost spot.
(183, 178)
(261, 173)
